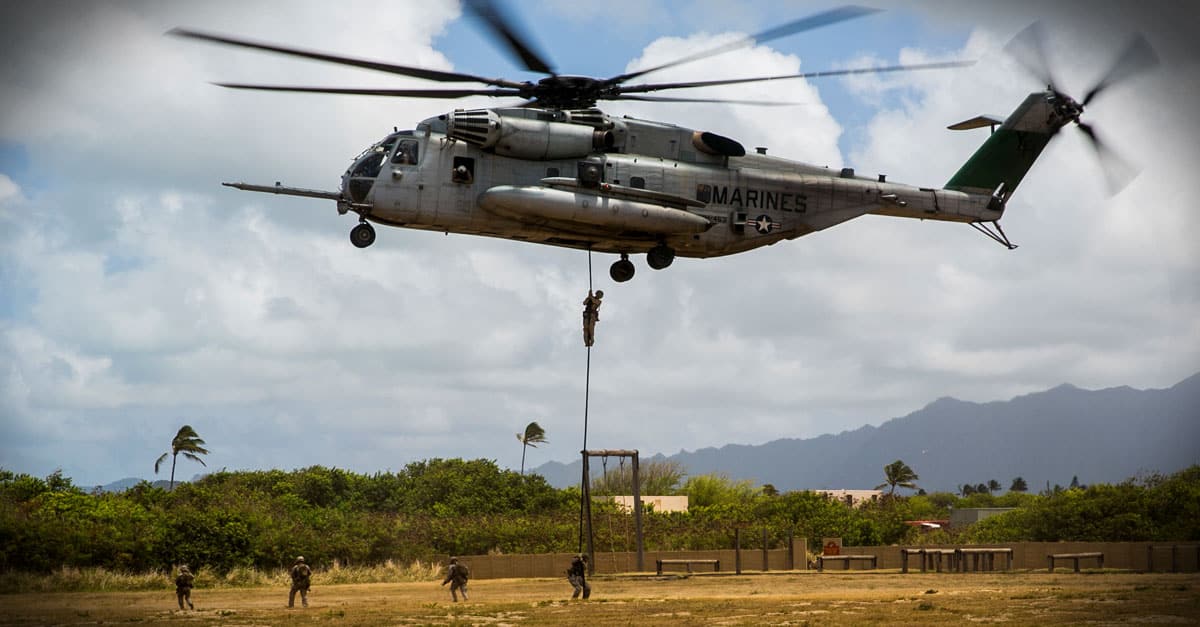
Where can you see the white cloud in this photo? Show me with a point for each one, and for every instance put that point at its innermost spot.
(806, 132)
(143, 295)
(9, 190)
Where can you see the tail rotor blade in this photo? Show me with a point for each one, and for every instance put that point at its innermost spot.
(1118, 172)
(1028, 49)
(1137, 57)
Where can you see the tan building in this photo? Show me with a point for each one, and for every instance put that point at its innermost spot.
(853, 498)
(658, 503)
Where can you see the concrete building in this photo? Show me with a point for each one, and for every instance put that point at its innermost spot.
(969, 515)
(853, 498)
(658, 503)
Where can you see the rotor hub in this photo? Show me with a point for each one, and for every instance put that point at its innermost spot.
(567, 91)
(1066, 108)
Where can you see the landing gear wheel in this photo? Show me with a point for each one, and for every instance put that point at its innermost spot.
(621, 271)
(362, 235)
(660, 256)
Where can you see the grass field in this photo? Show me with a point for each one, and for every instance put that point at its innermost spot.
(857, 598)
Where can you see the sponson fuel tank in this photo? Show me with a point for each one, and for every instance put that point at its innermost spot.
(525, 138)
(617, 214)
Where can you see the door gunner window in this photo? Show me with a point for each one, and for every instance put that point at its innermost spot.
(406, 153)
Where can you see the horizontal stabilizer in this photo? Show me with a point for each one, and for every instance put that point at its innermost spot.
(978, 121)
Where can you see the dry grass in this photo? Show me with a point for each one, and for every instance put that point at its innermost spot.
(68, 579)
(860, 598)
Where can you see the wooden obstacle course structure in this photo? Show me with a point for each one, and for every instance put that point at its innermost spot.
(716, 564)
(1074, 557)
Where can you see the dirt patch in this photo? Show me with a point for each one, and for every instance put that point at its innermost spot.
(857, 598)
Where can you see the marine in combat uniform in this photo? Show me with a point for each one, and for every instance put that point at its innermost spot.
(301, 579)
(591, 315)
(577, 575)
(183, 587)
(457, 575)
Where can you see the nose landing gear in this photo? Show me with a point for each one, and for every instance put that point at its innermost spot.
(622, 270)
(362, 235)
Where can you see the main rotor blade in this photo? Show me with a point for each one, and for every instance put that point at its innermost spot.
(433, 75)
(500, 27)
(406, 93)
(1117, 172)
(1028, 49)
(1137, 57)
(811, 22)
(733, 81)
(760, 103)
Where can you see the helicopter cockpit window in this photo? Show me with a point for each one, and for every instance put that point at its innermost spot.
(406, 153)
(371, 161)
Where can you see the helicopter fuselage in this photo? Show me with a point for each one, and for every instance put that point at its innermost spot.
(622, 186)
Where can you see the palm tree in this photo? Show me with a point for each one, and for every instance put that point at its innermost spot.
(993, 486)
(898, 474)
(188, 442)
(534, 435)
(1019, 485)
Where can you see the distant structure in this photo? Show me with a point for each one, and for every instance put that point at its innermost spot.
(659, 504)
(929, 524)
(853, 498)
(970, 515)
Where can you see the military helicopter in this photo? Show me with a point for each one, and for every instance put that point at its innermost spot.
(556, 170)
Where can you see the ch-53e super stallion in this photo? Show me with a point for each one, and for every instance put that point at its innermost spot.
(556, 170)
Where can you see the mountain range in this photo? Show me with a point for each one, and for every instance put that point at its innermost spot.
(1047, 438)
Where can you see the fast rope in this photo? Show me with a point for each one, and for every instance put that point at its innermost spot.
(587, 387)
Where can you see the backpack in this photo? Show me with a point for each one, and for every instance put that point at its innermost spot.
(464, 571)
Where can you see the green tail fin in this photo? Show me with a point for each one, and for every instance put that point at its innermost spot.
(1003, 160)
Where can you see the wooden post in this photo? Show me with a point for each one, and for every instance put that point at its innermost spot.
(791, 554)
(637, 513)
(764, 550)
(587, 506)
(737, 550)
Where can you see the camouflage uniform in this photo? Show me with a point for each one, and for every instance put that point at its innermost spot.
(301, 576)
(183, 587)
(577, 575)
(456, 576)
(591, 315)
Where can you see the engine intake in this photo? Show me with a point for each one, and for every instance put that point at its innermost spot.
(522, 138)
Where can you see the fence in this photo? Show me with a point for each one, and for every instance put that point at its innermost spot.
(1025, 556)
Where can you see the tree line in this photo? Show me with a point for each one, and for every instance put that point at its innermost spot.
(262, 519)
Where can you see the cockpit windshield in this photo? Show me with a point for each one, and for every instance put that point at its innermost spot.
(371, 161)
(361, 176)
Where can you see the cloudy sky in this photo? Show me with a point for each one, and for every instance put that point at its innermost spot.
(138, 295)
